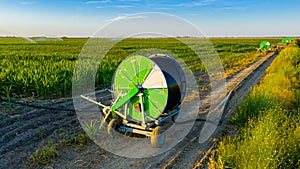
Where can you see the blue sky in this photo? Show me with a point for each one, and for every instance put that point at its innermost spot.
(213, 17)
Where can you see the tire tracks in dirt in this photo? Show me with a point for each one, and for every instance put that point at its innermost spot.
(28, 129)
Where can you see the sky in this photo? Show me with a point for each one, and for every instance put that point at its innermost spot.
(216, 18)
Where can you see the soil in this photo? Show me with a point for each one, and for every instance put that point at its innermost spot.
(23, 130)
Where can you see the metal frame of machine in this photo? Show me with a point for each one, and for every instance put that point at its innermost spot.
(150, 129)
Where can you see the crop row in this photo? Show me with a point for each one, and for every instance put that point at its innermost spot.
(45, 68)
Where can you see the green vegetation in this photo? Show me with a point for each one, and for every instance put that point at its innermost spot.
(40, 132)
(43, 155)
(93, 128)
(78, 139)
(268, 120)
(38, 69)
(45, 68)
(238, 53)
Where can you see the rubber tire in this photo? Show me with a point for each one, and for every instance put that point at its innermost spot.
(113, 125)
(157, 137)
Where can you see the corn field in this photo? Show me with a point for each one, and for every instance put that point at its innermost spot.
(45, 68)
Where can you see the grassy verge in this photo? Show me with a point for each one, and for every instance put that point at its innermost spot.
(268, 120)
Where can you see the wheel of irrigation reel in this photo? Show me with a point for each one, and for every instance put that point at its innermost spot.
(158, 137)
(112, 127)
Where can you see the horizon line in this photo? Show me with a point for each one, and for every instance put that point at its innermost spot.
(60, 37)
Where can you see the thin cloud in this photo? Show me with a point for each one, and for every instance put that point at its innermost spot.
(196, 3)
(225, 8)
(125, 6)
(126, 17)
(26, 3)
(163, 8)
(97, 2)
(130, 0)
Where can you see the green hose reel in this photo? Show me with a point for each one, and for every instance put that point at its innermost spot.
(146, 87)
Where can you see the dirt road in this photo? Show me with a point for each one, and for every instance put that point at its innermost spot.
(24, 129)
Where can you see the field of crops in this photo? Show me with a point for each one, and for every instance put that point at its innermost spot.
(268, 120)
(45, 68)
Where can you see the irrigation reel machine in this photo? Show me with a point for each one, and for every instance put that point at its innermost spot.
(147, 91)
